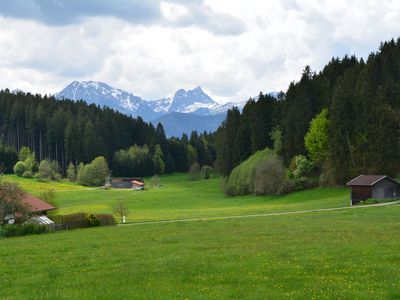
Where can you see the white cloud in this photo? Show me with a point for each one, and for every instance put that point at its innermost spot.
(233, 49)
(173, 11)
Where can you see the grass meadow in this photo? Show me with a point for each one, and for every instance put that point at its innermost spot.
(345, 254)
(349, 254)
(179, 198)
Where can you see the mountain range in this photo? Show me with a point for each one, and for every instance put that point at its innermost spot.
(186, 111)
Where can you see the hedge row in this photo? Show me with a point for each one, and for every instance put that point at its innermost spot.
(83, 220)
(11, 230)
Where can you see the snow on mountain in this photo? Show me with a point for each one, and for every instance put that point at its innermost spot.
(191, 101)
(104, 95)
(160, 106)
(195, 103)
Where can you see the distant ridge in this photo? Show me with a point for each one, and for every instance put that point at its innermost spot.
(195, 103)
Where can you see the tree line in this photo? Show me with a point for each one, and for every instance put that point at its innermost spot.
(356, 106)
(68, 132)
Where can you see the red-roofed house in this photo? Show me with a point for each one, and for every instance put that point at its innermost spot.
(36, 205)
(137, 185)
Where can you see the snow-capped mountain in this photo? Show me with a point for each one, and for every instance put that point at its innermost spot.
(194, 101)
(104, 95)
(191, 102)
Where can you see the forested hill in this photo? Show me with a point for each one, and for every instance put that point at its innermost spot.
(363, 102)
(67, 131)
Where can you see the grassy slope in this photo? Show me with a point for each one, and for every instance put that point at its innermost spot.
(180, 198)
(36, 187)
(337, 255)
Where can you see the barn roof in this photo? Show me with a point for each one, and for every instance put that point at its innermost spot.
(368, 180)
(35, 204)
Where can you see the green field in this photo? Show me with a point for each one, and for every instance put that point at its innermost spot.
(180, 198)
(345, 254)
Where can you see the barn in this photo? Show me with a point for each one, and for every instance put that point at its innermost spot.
(125, 183)
(379, 187)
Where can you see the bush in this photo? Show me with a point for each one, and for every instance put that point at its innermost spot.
(72, 221)
(83, 220)
(206, 172)
(22, 229)
(300, 166)
(95, 173)
(57, 177)
(93, 221)
(106, 219)
(155, 181)
(286, 187)
(20, 168)
(27, 174)
(3, 232)
(40, 177)
(269, 176)
(194, 172)
(45, 170)
(242, 178)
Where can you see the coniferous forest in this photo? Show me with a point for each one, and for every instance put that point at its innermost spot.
(75, 132)
(360, 101)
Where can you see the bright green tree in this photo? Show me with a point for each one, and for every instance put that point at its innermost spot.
(316, 139)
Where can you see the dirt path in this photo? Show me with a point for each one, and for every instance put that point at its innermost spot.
(396, 203)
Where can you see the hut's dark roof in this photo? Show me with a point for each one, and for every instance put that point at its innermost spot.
(368, 180)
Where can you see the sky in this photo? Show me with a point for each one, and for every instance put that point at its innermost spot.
(233, 49)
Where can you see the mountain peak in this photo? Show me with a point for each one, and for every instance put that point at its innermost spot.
(189, 101)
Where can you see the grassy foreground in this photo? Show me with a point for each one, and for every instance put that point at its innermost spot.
(352, 254)
(180, 198)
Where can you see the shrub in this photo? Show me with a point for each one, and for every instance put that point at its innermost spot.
(72, 221)
(93, 221)
(194, 171)
(27, 174)
(155, 181)
(45, 169)
(242, 178)
(20, 168)
(57, 177)
(83, 220)
(3, 232)
(40, 177)
(300, 166)
(206, 172)
(286, 187)
(106, 219)
(269, 176)
(22, 229)
(95, 173)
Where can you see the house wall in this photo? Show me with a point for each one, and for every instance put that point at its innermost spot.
(385, 190)
(359, 193)
(118, 184)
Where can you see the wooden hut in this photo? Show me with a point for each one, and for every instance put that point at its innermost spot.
(379, 187)
(126, 183)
